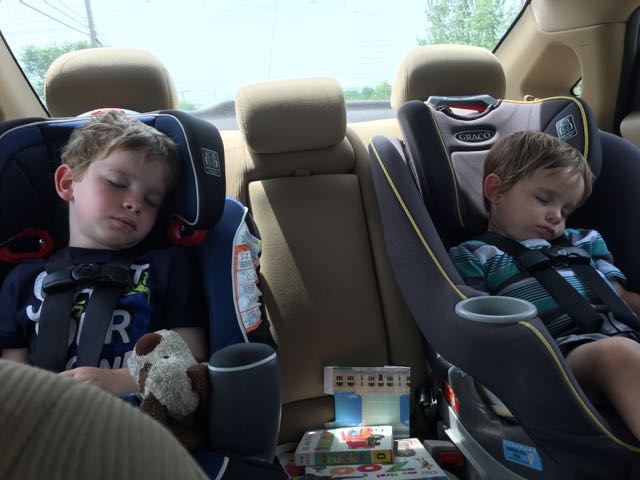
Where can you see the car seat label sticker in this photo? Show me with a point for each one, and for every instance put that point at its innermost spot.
(246, 294)
(521, 454)
(211, 162)
(566, 128)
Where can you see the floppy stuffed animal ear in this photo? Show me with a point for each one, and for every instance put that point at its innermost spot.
(173, 385)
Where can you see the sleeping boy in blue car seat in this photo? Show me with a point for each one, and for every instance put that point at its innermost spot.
(115, 173)
(532, 182)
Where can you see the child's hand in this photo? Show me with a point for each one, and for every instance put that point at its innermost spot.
(116, 382)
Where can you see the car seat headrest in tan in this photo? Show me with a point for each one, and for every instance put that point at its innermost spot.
(447, 70)
(128, 78)
(291, 115)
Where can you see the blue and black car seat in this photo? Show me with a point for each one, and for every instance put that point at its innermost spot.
(196, 215)
(505, 394)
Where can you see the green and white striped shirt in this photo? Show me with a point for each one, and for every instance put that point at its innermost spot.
(487, 268)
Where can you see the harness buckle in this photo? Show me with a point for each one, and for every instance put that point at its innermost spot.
(578, 255)
(534, 260)
(89, 274)
(558, 255)
(566, 255)
(96, 274)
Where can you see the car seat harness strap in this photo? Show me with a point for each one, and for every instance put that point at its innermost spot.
(540, 263)
(64, 279)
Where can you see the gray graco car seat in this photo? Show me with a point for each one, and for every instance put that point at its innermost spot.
(429, 193)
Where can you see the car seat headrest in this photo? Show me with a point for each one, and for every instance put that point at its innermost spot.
(447, 150)
(128, 78)
(447, 70)
(291, 115)
(30, 153)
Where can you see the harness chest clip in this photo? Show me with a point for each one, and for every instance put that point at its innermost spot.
(87, 274)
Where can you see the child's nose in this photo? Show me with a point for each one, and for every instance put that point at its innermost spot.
(554, 215)
(132, 204)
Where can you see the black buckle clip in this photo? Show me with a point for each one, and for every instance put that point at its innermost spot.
(565, 256)
(534, 260)
(87, 274)
(557, 255)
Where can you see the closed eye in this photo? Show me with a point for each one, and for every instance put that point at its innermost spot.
(152, 202)
(116, 184)
(542, 200)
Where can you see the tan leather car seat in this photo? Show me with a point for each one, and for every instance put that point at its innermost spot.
(328, 288)
(84, 80)
(446, 70)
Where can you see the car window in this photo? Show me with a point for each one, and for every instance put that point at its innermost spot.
(211, 47)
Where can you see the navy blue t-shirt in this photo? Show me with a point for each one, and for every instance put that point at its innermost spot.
(165, 294)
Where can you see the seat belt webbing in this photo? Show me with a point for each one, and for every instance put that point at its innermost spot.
(567, 298)
(97, 319)
(53, 334)
(64, 278)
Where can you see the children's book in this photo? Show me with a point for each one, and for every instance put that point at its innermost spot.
(344, 446)
(370, 396)
(411, 462)
(288, 464)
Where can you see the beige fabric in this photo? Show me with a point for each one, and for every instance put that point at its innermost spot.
(291, 115)
(328, 288)
(84, 80)
(318, 281)
(404, 339)
(17, 99)
(563, 15)
(58, 428)
(367, 130)
(453, 70)
(630, 128)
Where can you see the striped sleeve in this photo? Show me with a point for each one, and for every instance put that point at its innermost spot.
(469, 266)
(592, 242)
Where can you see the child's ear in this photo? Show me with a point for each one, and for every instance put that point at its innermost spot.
(492, 187)
(64, 182)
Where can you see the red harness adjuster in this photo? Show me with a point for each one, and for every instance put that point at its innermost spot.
(180, 234)
(27, 245)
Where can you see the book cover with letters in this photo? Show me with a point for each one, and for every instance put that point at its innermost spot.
(343, 446)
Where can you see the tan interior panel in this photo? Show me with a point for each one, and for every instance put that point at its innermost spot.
(562, 15)
(630, 128)
(553, 69)
(16, 97)
(556, 61)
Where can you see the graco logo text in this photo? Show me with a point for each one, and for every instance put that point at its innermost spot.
(474, 136)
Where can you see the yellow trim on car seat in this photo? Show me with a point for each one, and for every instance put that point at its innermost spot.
(575, 393)
(528, 325)
(413, 223)
(583, 114)
(453, 173)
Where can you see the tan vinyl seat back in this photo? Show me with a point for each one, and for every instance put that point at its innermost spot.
(318, 273)
(84, 80)
(630, 128)
(446, 70)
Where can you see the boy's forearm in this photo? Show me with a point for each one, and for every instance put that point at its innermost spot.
(125, 381)
(631, 298)
(20, 355)
(117, 382)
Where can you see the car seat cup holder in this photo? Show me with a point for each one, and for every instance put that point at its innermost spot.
(245, 400)
(496, 309)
